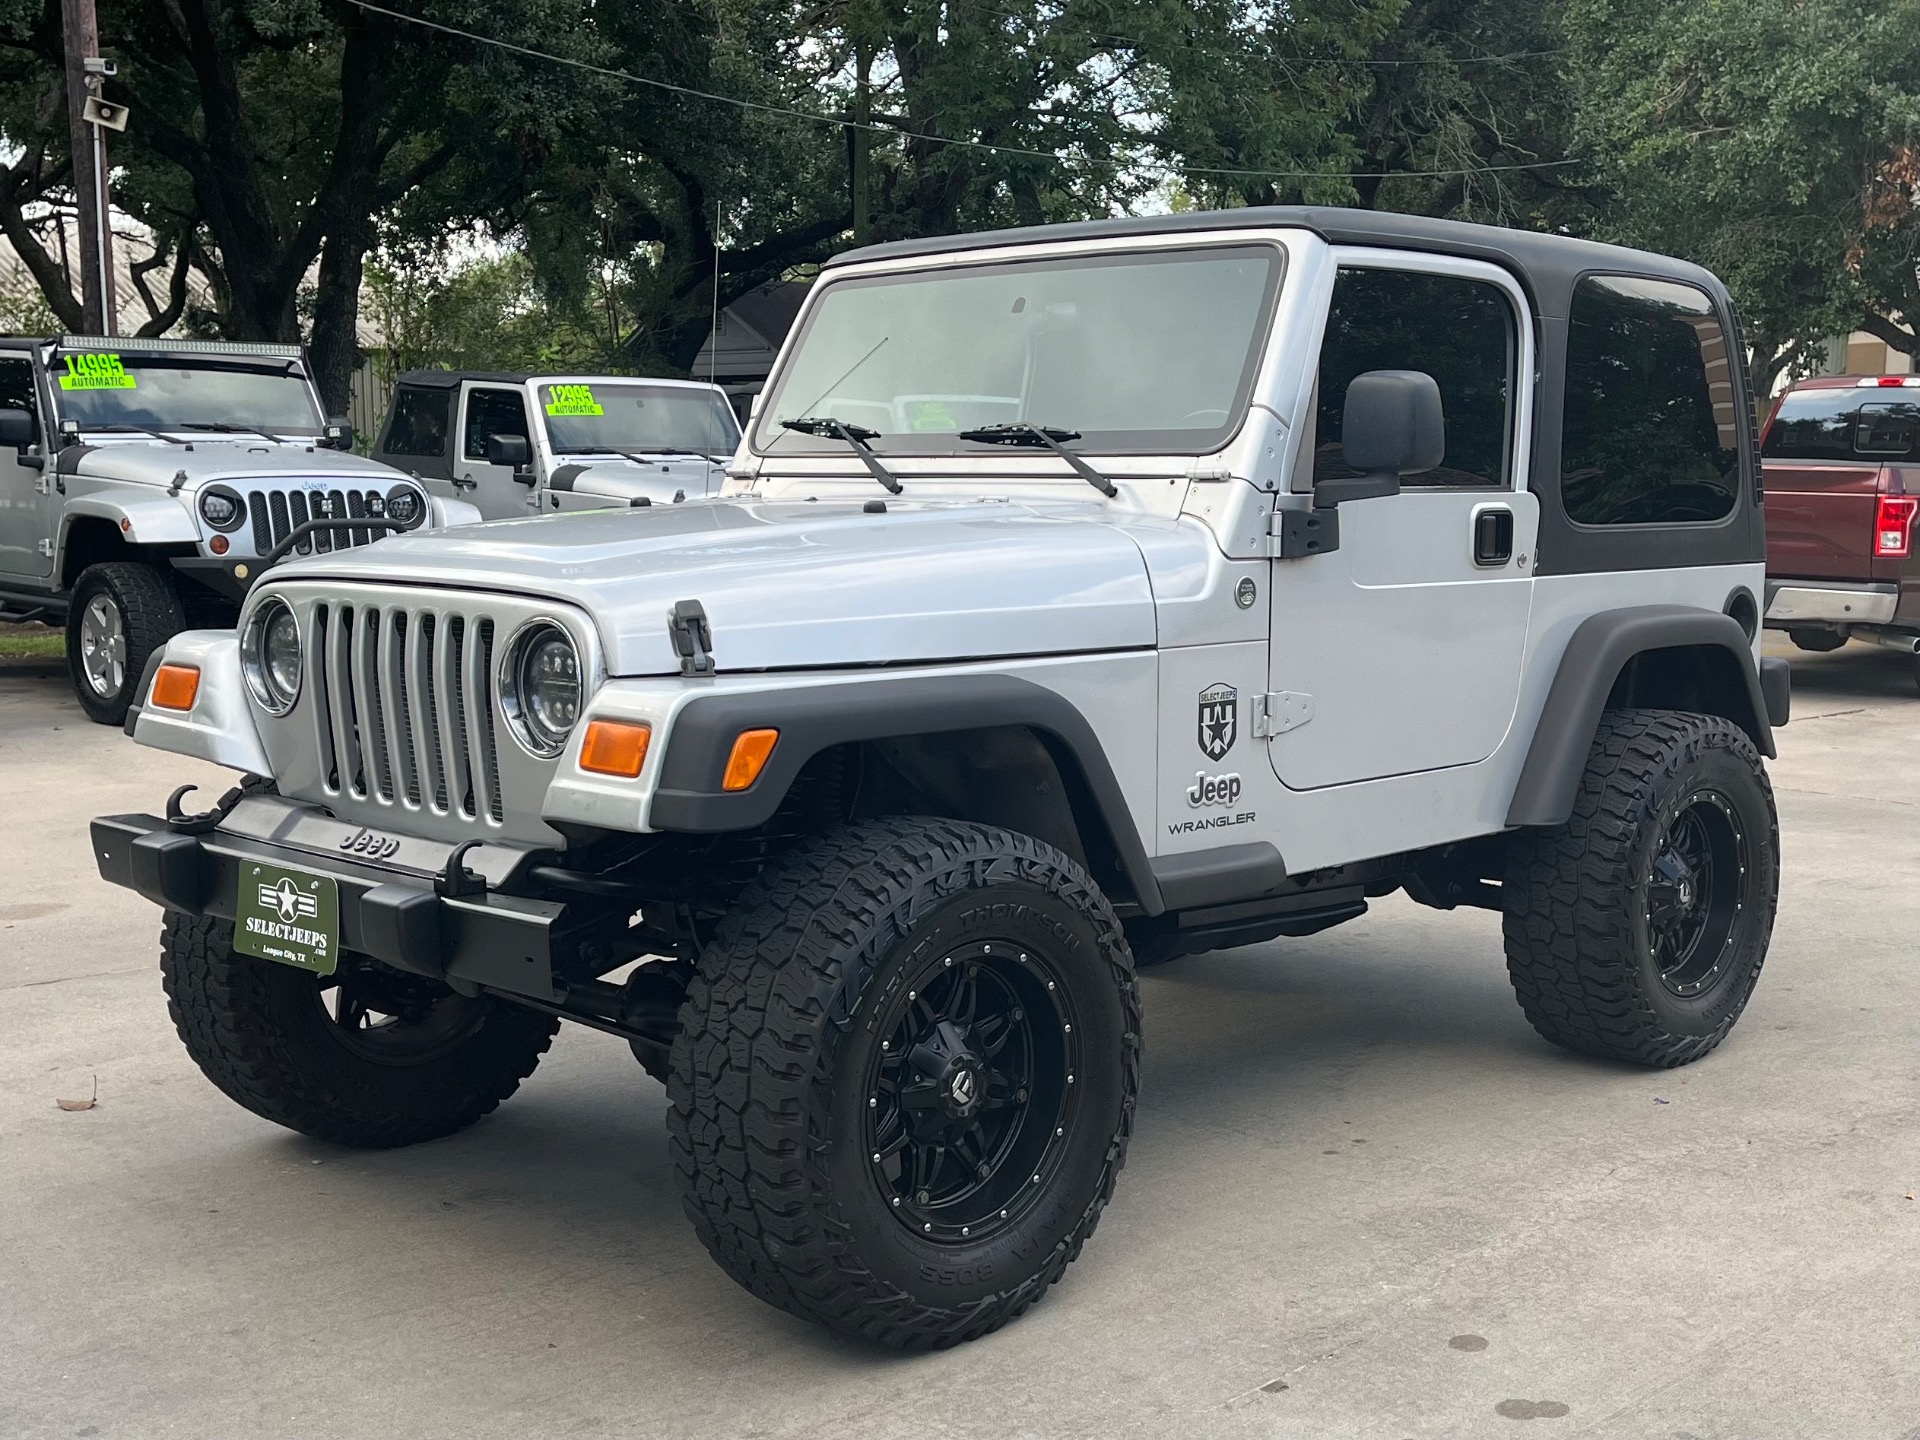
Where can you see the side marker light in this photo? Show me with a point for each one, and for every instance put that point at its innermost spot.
(749, 758)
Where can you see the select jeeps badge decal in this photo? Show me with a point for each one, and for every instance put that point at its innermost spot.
(1213, 789)
(1219, 720)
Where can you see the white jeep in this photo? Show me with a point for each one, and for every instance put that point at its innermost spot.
(1082, 597)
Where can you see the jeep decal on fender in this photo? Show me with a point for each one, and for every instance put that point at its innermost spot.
(1213, 789)
(1219, 720)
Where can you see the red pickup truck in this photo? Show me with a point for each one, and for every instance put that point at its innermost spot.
(1841, 462)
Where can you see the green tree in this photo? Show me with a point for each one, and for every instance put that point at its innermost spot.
(1764, 140)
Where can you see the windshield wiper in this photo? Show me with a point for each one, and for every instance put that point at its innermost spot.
(135, 430)
(1025, 432)
(855, 435)
(221, 427)
(637, 458)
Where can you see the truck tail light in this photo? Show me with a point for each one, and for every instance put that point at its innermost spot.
(1893, 526)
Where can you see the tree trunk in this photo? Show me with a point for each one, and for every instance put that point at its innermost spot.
(335, 351)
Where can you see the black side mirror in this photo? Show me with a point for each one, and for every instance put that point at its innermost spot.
(17, 428)
(1393, 425)
(339, 434)
(509, 450)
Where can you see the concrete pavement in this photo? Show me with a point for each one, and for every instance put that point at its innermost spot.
(1364, 1199)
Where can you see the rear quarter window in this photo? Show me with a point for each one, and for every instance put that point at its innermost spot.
(1650, 434)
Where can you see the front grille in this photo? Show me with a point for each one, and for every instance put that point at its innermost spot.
(404, 706)
(276, 512)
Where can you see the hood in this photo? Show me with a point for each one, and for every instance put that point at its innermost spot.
(801, 584)
(203, 461)
(624, 481)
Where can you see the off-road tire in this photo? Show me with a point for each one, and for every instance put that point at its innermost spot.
(1577, 920)
(788, 1008)
(150, 615)
(1815, 640)
(257, 1030)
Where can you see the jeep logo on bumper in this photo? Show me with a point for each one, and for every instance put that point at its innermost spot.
(369, 843)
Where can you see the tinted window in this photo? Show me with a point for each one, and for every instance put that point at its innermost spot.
(1887, 429)
(1458, 331)
(1650, 433)
(16, 386)
(493, 412)
(1836, 423)
(419, 423)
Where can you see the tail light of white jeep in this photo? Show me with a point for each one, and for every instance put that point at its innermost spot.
(1893, 526)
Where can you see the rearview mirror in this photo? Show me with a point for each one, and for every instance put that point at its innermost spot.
(508, 450)
(339, 435)
(1393, 425)
(17, 428)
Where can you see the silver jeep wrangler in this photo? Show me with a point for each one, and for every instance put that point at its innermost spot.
(146, 484)
(1081, 598)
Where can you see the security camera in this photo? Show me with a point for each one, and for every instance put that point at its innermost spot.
(99, 65)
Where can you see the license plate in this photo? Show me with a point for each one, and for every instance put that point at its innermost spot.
(289, 916)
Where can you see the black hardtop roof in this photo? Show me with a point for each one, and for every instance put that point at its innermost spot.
(447, 379)
(1539, 260)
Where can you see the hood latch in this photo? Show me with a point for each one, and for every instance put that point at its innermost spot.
(692, 638)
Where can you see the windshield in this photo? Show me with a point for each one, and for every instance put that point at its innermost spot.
(598, 418)
(1139, 353)
(179, 392)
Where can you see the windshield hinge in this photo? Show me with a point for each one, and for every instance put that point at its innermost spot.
(692, 639)
(1210, 476)
(1279, 711)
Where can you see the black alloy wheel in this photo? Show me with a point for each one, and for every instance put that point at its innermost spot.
(390, 1018)
(1694, 892)
(970, 1095)
(903, 1081)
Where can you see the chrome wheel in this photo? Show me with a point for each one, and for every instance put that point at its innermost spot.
(103, 647)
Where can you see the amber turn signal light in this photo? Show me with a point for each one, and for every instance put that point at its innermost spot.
(175, 686)
(748, 759)
(615, 747)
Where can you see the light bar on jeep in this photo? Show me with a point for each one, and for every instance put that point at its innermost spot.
(128, 344)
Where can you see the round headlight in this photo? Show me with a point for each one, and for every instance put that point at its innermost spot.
(221, 508)
(542, 691)
(270, 656)
(404, 507)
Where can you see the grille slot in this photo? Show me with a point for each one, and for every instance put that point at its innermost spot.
(404, 707)
(276, 512)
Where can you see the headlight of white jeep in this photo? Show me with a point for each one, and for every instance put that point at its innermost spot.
(540, 688)
(270, 656)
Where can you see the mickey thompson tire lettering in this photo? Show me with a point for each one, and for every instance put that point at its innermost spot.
(1577, 910)
(258, 1031)
(768, 1088)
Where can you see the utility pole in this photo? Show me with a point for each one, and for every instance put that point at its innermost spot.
(87, 119)
(862, 117)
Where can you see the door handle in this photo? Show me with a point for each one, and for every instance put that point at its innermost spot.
(465, 482)
(1492, 536)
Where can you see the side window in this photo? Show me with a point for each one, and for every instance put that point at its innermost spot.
(419, 424)
(16, 385)
(1461, 332)
(492, 412)
(1650, 434)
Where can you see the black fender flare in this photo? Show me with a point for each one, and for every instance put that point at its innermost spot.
(812, 718)
(1590, 667)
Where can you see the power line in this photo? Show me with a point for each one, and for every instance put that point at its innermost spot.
(762, 107)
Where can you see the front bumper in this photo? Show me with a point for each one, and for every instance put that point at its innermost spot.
(391, 912)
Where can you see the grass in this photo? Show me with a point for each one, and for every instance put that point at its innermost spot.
(31, 642)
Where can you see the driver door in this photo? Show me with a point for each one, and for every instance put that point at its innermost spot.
(492, 410)
(28, 506)
(1401, 651)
